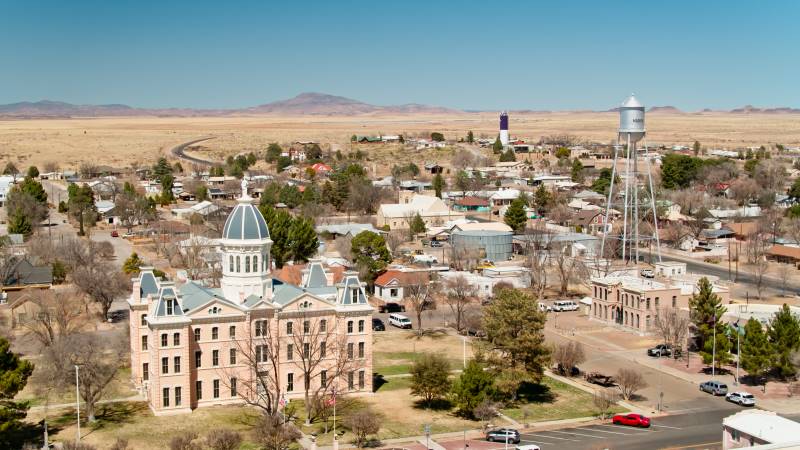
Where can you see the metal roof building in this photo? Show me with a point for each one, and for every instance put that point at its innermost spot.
(492, 245)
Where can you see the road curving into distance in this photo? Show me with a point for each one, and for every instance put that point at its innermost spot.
(179, 151)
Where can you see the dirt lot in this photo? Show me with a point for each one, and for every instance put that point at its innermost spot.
(125, 141)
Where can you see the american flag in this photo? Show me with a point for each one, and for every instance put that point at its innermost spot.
(332, 400)
(282, 402)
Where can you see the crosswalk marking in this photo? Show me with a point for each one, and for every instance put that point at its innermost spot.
(538, 442)
(555, 437)
(664, 426)
(639, 430)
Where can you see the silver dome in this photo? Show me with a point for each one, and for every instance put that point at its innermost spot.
(245, 222)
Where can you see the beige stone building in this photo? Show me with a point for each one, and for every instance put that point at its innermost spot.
(633, 302)
(253, 340)
(432, 209)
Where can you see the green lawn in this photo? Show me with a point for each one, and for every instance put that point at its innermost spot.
(553, 400)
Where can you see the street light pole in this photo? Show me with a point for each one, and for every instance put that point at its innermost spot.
(464, 340)
(78, 403)
(738, 352)
(714, 348)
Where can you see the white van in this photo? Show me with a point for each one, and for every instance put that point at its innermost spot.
(399, 321)
(544, 307)
(565, 305)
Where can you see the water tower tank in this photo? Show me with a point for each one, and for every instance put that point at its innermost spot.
(631, 119)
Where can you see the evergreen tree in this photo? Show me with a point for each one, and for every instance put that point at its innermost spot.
(562, 153)
(784, 335)
(470, 137)
(603, 181)
(167, 182)
(472, 387)
(14, 373)
(542, 200)
(273, 152)
(370, 253)
(417, 225)
(516, 217)
(794, 190)
(12, 170)
(201, 193)
(34, 189)
(577, 171)
(497, 147)
(438, 184)
(303, 242)
(696, 148)
(706, 313)
(508, 156)
(33, 172)
(311, 194)
(161, 168)
(128, 188)
(132, 265)
(20, 223)
(279, 222)
(756, 350)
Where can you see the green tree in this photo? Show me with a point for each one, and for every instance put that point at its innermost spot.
(793, 212)
(437, 137)
(161, 168)
(417, 225)
(542, 200)
(201, 192)
(696, 148)
(303, 242)
(472, 387)
(562, 152)
(59, 271)
(470, 137)
(438, 184)
(706, 313)
(603, 181)
(282, 163)
(678, 171)
(370, 253)
(127, 188)
(756, 350)
(497, 147)
(279, 222)
(34, 189)
(290, 196)
(515, 336)
(11, 169)
(508, 156)
(167, 183)
(20, 223)
(784, 335)
(577, 171)
(273, 152)
(33, 172)
(132, 265)
(14, 373)
(430, 377)
(794, 190)
(516, 217)
(81, 205)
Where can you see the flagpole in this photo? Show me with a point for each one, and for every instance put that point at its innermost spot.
(714, 347)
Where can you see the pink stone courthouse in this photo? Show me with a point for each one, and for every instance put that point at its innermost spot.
(252, 339)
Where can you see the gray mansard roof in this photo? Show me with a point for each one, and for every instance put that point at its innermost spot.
(245, 222)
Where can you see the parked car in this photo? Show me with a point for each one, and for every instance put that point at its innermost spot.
(565, 305)
(399, 321)
(509, 435)
(631, 420)
(647, 273)
(527, 447)
(115, 233)
(378, 325)
(714, 387)
(436, 244)
(741, 398)
(391, 308)
(660, 350)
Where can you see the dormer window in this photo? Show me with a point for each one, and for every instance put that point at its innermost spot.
(169, 307)
(354, 296)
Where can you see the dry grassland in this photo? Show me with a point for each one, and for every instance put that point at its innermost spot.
(126, 141)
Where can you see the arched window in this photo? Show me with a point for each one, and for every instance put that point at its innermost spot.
(238, 264)
(247, 264)
(230, 265)
(255, 263)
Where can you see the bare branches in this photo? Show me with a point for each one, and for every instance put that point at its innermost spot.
(604, 400)
(568, 355)
(629, 381)
(54, 317)
(460, 293)
(419, 296)
(672, 325)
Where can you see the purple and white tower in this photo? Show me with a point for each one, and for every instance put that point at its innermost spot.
(504, 128)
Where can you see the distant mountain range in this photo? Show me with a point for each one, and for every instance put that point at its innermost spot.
(309, 103)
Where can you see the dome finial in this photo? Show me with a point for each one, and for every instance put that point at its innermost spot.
(244, 189)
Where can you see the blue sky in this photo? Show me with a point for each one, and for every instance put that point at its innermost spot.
(471, 55)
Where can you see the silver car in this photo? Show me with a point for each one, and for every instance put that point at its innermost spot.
(741, 398)
(714, 387)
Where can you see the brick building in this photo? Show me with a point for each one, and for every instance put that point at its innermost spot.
(254, 339)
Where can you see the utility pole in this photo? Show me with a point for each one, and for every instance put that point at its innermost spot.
(78, 404)
(714, 348)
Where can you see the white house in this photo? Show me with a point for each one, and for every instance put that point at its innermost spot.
(432, 210)
(6, 183)
(756, 427)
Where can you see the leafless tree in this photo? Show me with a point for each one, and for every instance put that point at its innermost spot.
(185, 441)
(567, 267)
(260, 352)
(133, 210)
(756, 251)
(394, 239)
(743, 190)
(87, 169)
(629, 382)
(604, 400)
(791, 226)
(363, 423)
(344, 245)
(462, 159)
(54, 316)
(785, 273)
(99, 357)
(486, 411)
(193, 254)
(72, 445)
(568, 355)
(672, 324)
(50, 166)
(272, 433)
(363, 196)
(464, 257)
(102, 283)
(419, 295)
(120, 444)
(674, 233)
(538, 241)
(221, 439)
(459, 294)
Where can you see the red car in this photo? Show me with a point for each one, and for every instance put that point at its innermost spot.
(115, 233)
(632, 420)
